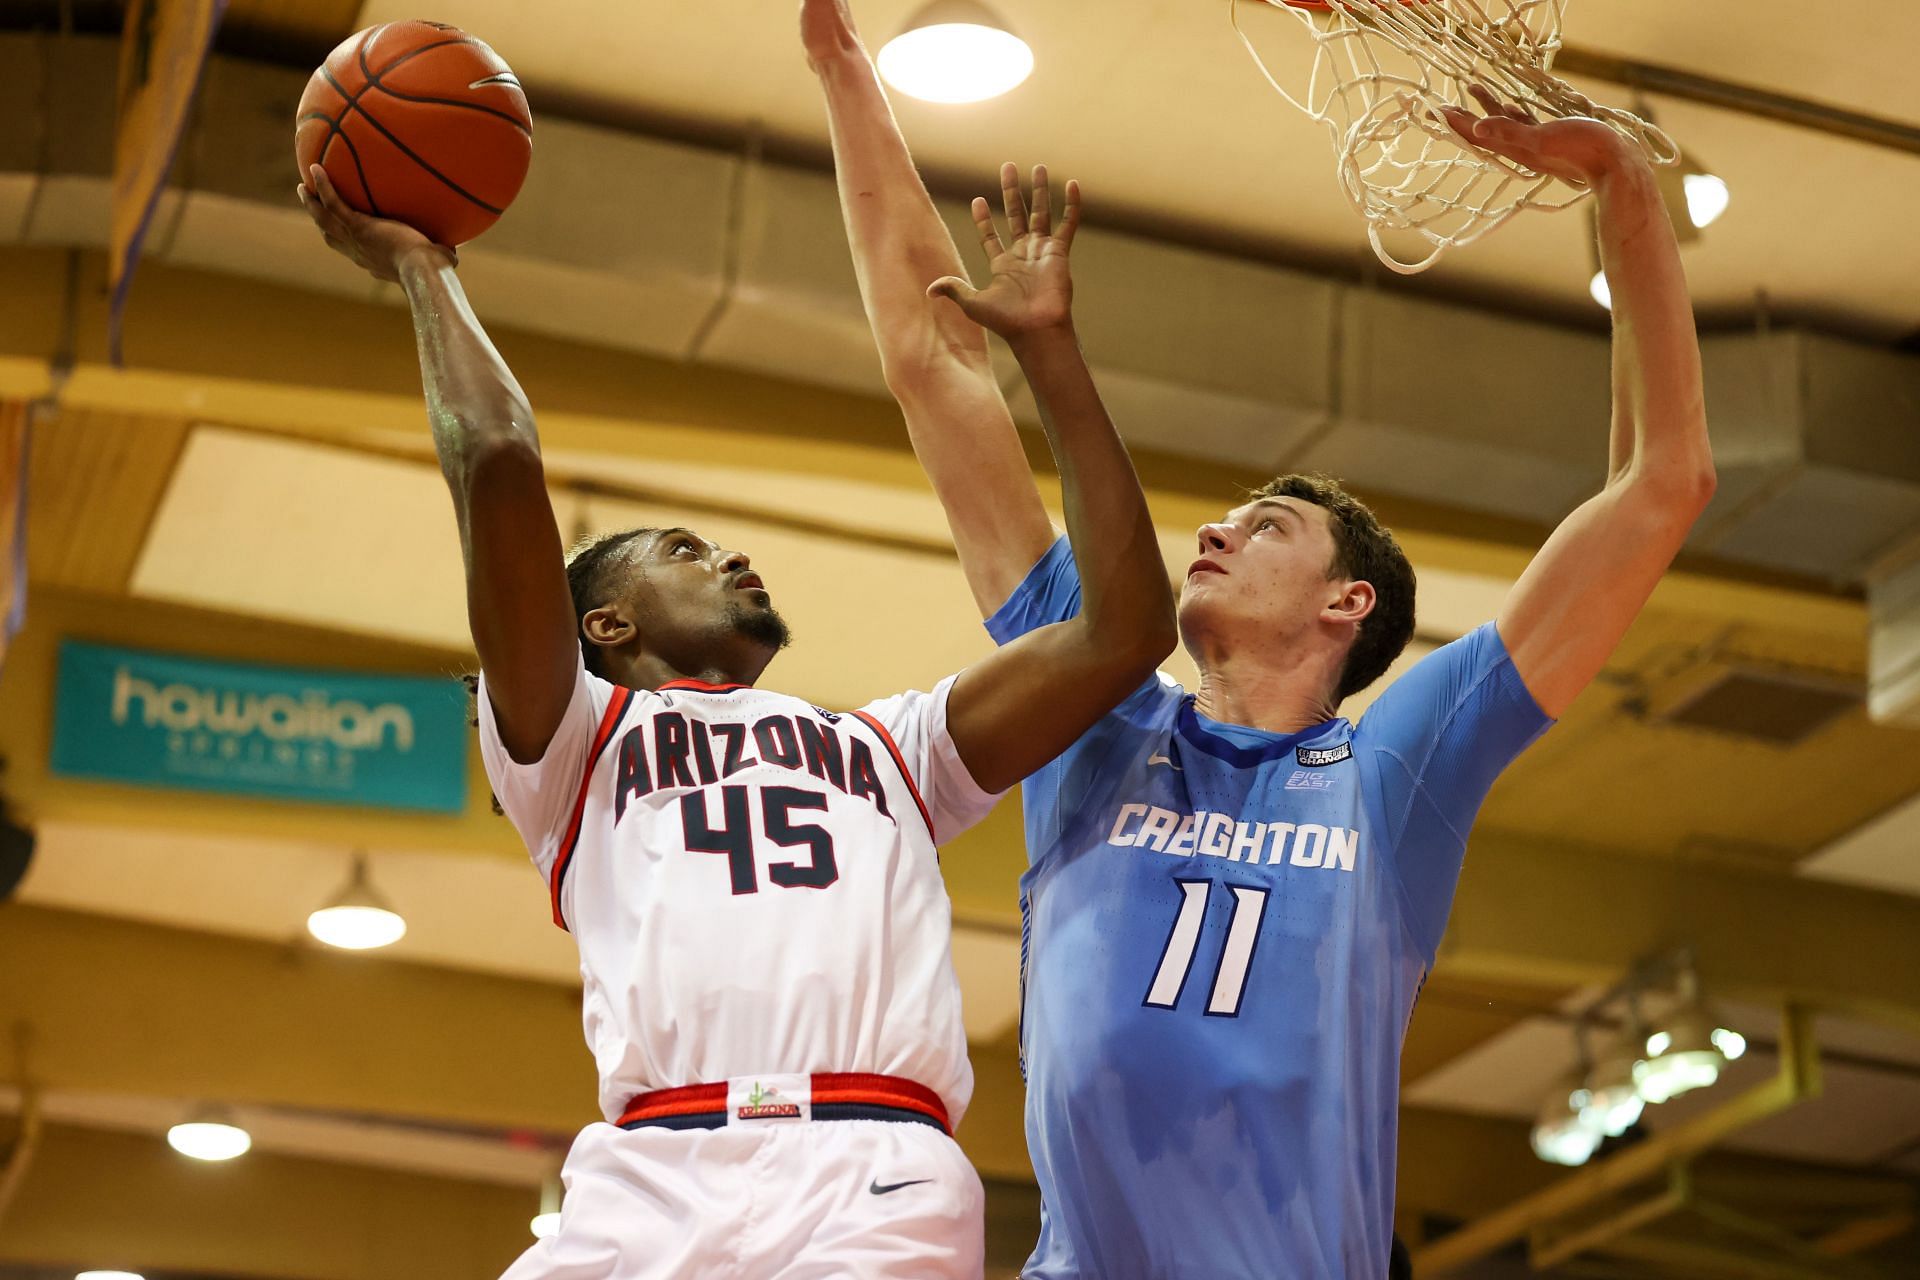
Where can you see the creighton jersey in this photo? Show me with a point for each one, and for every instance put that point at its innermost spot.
(751, 880)
(1225, 933)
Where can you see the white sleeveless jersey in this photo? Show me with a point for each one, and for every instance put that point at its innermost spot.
(752, 881)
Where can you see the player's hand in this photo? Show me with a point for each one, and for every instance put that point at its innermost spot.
(1032, 287)
(826, 30)
(1578, 150)
(376, 245)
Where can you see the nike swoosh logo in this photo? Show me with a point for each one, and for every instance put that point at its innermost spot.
(1152, 760)
(879, 1190)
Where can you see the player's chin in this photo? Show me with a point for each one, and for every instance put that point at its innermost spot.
(759, 621)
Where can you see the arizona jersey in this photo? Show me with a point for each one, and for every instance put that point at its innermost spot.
(1225, 930)
(752, 881)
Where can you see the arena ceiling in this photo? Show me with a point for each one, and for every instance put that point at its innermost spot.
(148, 485)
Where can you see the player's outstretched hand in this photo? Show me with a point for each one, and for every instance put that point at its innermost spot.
(376, 245)
(827, 31)
(1032, 287)
(1576, 150)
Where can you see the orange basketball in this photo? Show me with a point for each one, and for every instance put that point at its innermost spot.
(421, 122)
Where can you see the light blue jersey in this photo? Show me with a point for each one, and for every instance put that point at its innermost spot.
(1225, 931)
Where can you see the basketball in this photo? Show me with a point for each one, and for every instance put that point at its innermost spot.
(420, 122)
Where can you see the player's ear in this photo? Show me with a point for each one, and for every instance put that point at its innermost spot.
(1355, 602)
(608, 627)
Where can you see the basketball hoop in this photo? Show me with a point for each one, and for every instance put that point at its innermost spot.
(1381, 71)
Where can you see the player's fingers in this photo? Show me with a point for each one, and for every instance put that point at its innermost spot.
(322, 187)
(1069, 216)
(1489, 103)
(1461, 120)
(328, 224)
(952, 288)
(1501, 132)
(989, 234)
(1042, 223)
(1010, 199)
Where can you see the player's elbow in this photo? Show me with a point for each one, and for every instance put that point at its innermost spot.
(1676, 492)
(925, 362)
(1136, 645)
(491, 459)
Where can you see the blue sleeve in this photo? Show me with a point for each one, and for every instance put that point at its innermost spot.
(1049, 593)
(1437, 739)
(1067, 790)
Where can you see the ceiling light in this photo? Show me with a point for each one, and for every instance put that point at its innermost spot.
(1562, 1135)
(109, 1275)
(358, 918)
(1601, 291)
(1689, 1049)
(209, 1134)
(1614, 1099)
(546, 1223)
(1687, 1055)
(956, 51)
(1707, 198)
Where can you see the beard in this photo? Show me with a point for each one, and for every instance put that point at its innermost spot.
(760, 623)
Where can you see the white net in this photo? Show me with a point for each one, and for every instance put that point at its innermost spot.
(1381, 71)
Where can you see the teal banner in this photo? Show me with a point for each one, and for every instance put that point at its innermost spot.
(339, 737)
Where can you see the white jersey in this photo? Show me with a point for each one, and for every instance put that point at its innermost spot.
(752, 881)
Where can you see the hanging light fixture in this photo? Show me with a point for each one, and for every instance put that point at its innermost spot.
(956, 51)
(1562, 1134)
(1689, 1049)
(546, 1223)
(1600, 290)
(1614, 1101)
(210, 1134)
(1707, 197)
(357, 918)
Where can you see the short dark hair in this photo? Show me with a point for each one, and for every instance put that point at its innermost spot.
(595, 569)
(1364, 550)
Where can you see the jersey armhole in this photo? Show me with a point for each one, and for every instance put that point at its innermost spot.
(617, 708)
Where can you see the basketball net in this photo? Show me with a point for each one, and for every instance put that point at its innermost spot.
(1382, 69)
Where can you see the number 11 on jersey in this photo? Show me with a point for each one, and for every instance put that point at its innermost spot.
(1230, 978)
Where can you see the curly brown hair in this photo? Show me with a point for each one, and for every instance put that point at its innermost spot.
(1364, 550)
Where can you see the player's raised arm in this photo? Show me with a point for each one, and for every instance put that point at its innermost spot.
(1017, 709)
(1583, 590)
(935, 359)
(518, 603)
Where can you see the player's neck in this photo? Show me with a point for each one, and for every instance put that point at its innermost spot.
(651, 670)
(1254, 690)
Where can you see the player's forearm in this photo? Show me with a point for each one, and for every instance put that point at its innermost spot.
(900, 245)
(934, 358)
(474, 402)
(1126, 604)
(1659, 425)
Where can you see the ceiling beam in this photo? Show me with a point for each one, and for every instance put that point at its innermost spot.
(1549, 914)
(101, 1199)
(132, 1009)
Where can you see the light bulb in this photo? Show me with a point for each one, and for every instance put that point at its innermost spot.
(357, 928)
(358, 918)
(1731, 1044)
(1602, 292)
(208, 1139)
(956, 51)
(1707, 198)
(1562, 1134)
(1673, 1074)
(546, 1226)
